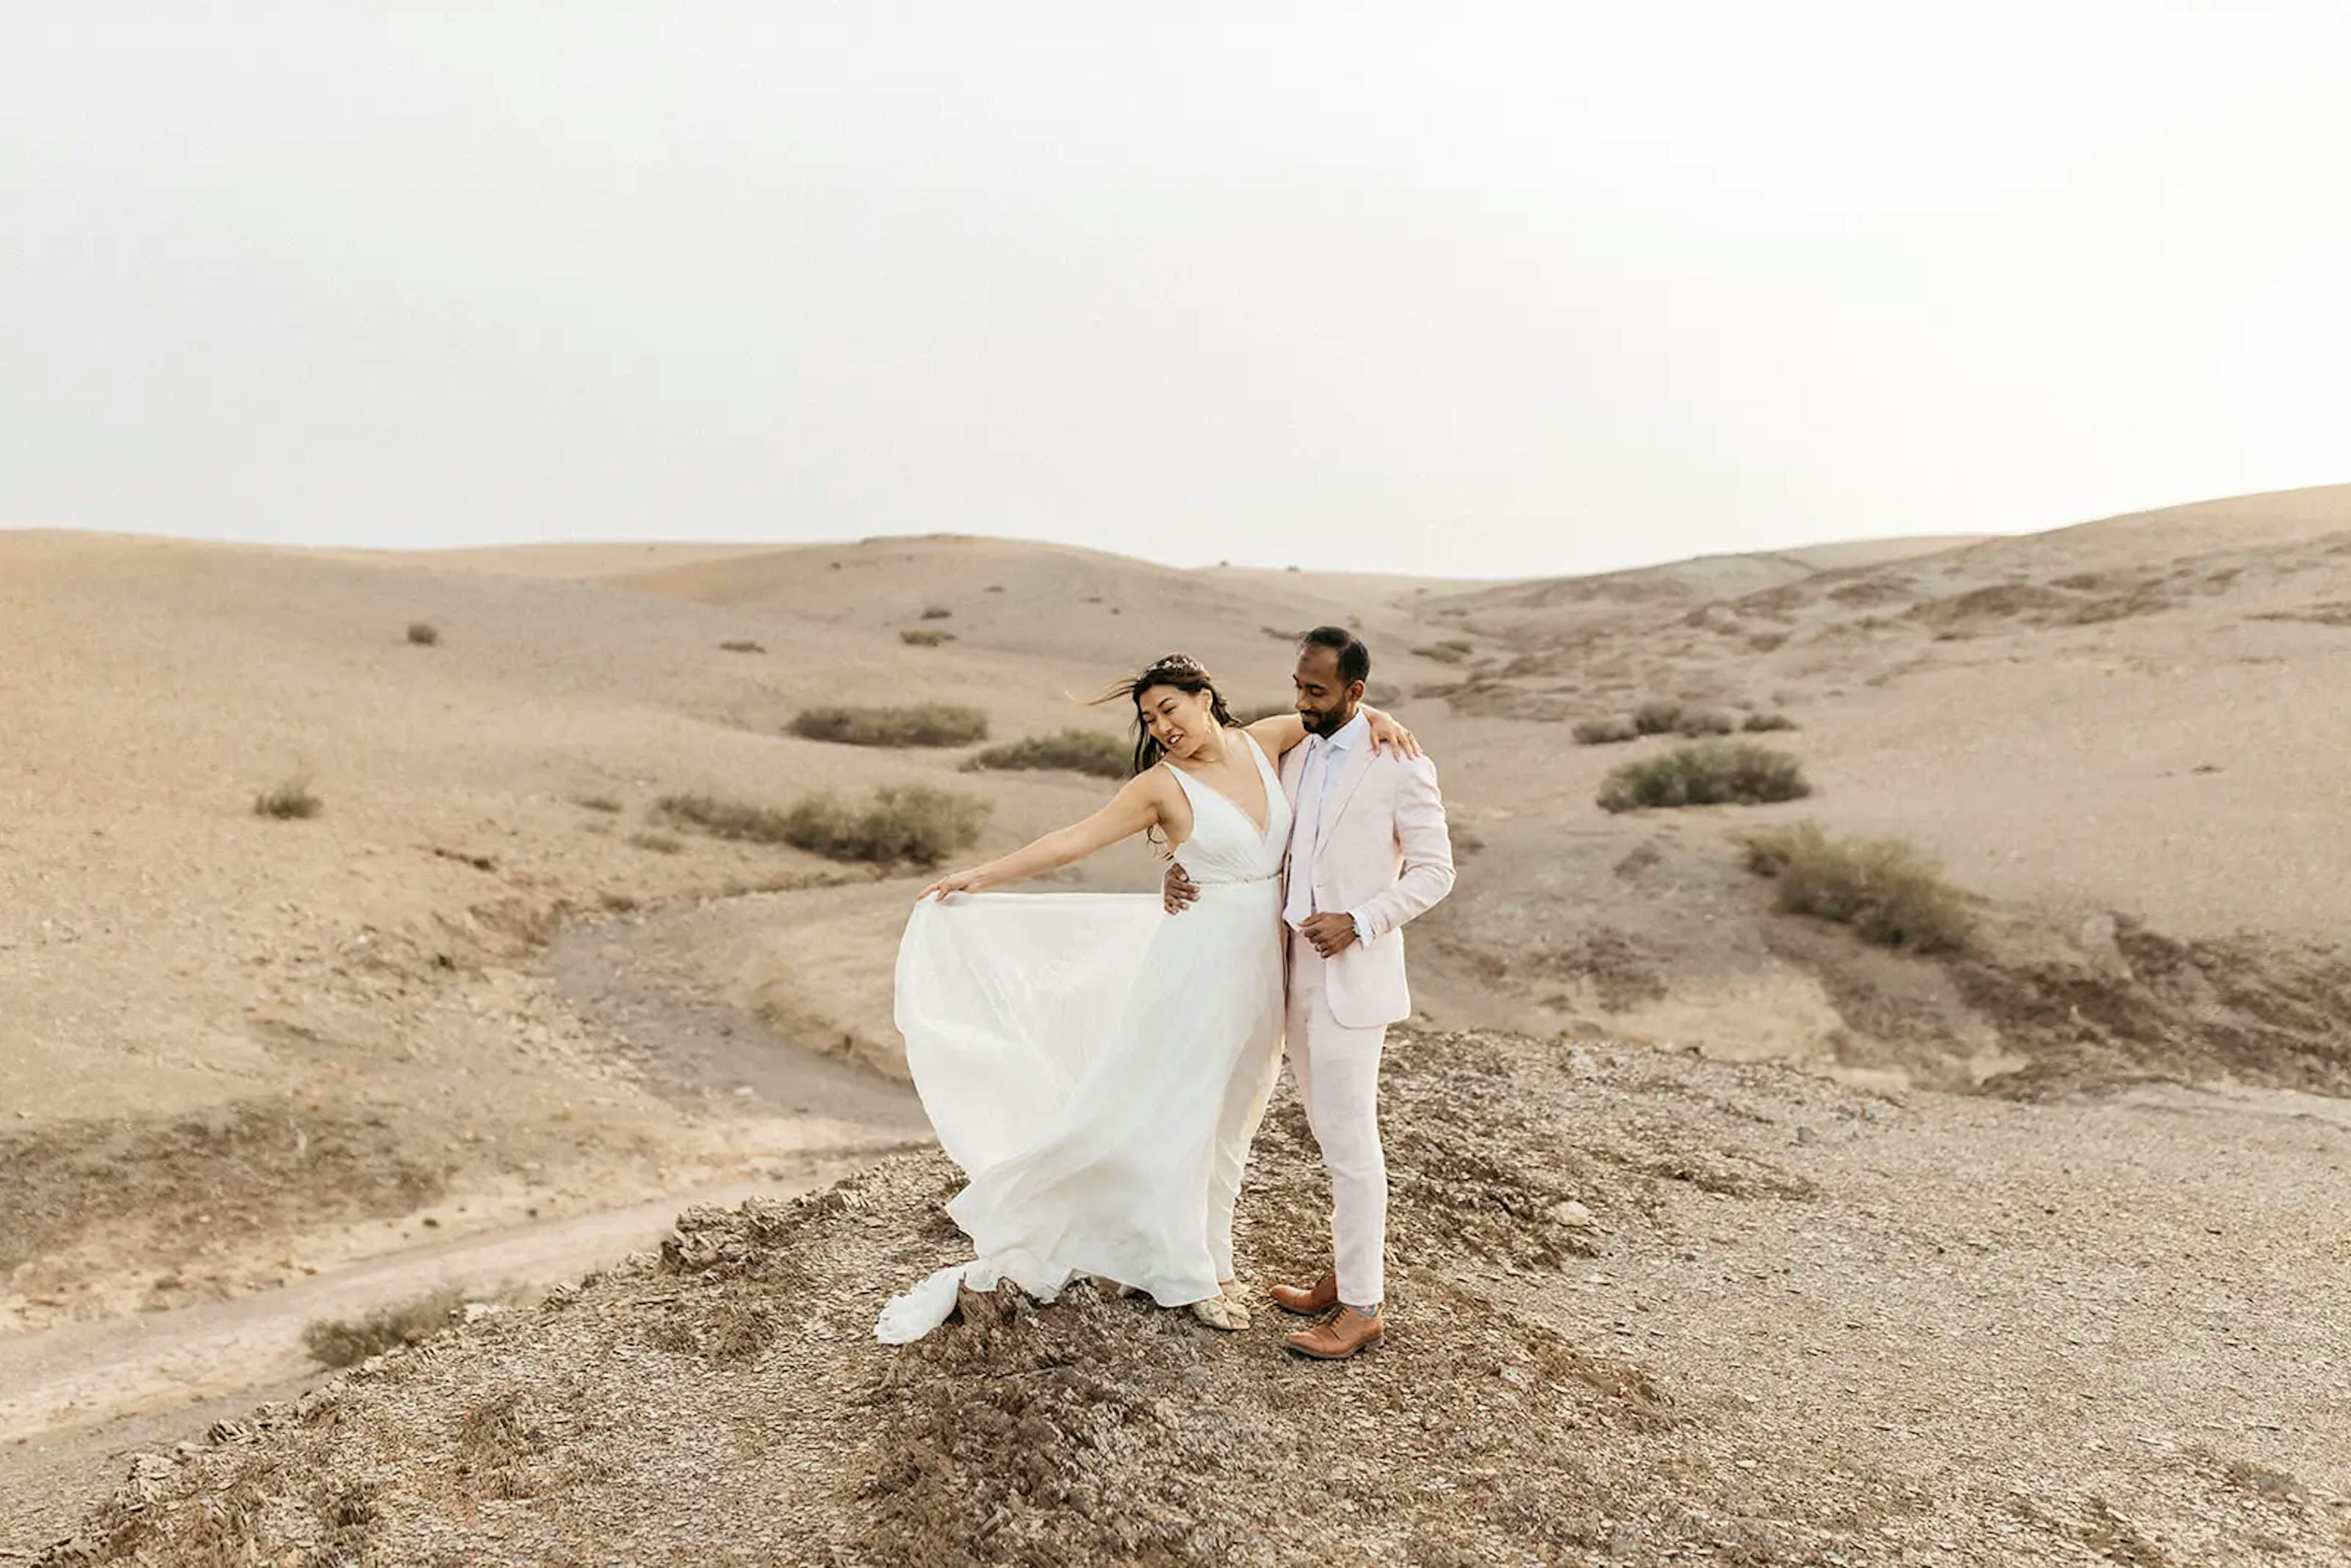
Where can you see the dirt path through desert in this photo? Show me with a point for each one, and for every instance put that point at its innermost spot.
(76, 1400)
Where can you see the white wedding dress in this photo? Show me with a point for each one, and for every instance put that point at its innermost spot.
(1098, 1067)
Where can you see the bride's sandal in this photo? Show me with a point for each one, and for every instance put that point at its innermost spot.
(1222, 1312)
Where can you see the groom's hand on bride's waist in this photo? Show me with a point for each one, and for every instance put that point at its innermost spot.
(1176, 890)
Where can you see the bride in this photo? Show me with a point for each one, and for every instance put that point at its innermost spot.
(1096, 1067)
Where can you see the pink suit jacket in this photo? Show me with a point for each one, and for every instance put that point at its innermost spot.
(1383, 854)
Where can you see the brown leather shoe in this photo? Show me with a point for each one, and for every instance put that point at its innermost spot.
(1347, 1331)
(1307, 1302)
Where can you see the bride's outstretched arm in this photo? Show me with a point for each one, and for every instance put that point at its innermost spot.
(1284, 730)
(1139, 804)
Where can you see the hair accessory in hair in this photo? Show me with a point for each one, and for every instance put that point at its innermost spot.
(1180, 664)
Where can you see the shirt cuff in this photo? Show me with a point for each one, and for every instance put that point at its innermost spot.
(1363, 931)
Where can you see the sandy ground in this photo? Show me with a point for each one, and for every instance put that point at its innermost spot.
(252, 1070)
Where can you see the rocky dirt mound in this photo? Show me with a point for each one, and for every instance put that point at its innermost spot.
(2128, 1005)
(726, 1403)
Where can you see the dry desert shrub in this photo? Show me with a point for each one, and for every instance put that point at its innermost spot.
(346, 1342)
(290, 801)
(1657, 716)
(741, 645)
(658, 843)
(920, 823)
(1605, 731)
(1663, 715)
(723, 817)
(925, 724)
(1073, 750)
(424, 633)
(1709, 773)
(1889, 891)
(603, 803)
(1758, 723)
(914, 639)
(936, 612)
(1451, 651)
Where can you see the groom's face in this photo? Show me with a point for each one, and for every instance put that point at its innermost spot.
(1326, 701)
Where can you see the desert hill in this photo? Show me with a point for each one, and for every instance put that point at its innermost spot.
(491, 1011)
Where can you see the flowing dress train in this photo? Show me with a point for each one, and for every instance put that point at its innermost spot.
(1097, 1067)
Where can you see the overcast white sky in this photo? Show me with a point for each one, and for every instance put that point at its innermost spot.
(1481, 289)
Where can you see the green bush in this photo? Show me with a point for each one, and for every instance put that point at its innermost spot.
(1074, 750)
(927, 723)
(1709, 773)
(1889, 891)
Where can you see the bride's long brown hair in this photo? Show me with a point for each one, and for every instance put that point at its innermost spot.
(1184, 673)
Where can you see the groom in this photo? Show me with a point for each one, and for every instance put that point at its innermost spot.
(1368, 851)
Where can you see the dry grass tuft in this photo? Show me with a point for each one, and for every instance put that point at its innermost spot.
(918, 824)
(346, 1342)
(1663, 715)
(290, 801)
(1889, 891)
(936, 612)
(914, 639)
(1657, 716)
(723, 817)
(925, 724)
(424, 633)
(1073, 750)
(742, 645)
(1604, 731)
(1709, 773)
(1758, 723)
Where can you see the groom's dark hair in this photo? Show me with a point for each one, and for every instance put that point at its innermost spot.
(1354, 659)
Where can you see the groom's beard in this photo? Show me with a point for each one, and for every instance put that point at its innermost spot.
(1327, 725)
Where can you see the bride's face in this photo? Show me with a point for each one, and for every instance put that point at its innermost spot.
(1178, 720)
